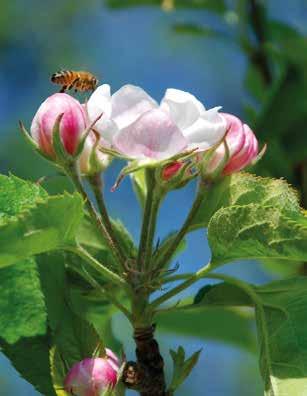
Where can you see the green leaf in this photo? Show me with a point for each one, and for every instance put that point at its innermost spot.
(256, 232)
(285, 132)
(182, 367)
(58, 369)
(92, 307)
(280, 267)
(269, 122)
(30, 357)
(222, 294)
(17, 195)
(22, 303)
(89, 235)
(45, 227)
(23, 313)
(209, 323)
(282, 337)
(281, 324)
(244, 189)
(73, 338)
(255, 84)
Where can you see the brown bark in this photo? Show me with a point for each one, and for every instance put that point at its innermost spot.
(147, 374)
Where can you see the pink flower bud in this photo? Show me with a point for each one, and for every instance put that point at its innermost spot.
(171, 169)
(72, 124)
(92, 376)
(242, 145)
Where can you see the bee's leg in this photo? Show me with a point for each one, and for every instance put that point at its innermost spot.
(63, 89)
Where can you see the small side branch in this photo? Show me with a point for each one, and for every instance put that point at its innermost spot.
(164, 258)
(75, 177)
(96, 184)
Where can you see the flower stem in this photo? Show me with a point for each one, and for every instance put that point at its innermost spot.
(164, 258)
(73, 173)
(147, 228)
(107, 274)
(84, 273)
(96, 184)
(184, 285)
(152, 228)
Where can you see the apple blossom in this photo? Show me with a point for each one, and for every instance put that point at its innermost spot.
(134, 124)
(92, 376)
(242, 145)
(72, 125)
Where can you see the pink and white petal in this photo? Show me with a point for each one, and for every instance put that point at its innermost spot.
(111, 356)
(39, 135)
(100, 103)
(206, 131)
(235, 137)
(182, 106)
(153, 136)
(247, 153)
(129, 103)
(107, 130)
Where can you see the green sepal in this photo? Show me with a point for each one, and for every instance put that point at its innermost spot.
(179, 179)
(182, 367)
(95, 165)
(136, 165)
(259, 156)
(62, 157)
(114, 153)
(84, 137)
(130, 168)
(216, 173)
(32, 142)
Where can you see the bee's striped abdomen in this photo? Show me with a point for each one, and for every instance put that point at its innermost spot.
(79, 80)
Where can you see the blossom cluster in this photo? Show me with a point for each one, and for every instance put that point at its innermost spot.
(132, 125)
(178, 136)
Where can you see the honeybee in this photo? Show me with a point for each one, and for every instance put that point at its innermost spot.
(78, 80)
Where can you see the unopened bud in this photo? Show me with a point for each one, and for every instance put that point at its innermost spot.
(92, 376)
(242, 147)
(72, 125)
(171, 169)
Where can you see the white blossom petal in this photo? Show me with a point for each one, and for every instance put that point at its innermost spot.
(100, 103)
(154, 135)
(208, 130)
(183, 107)
(129, 103)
